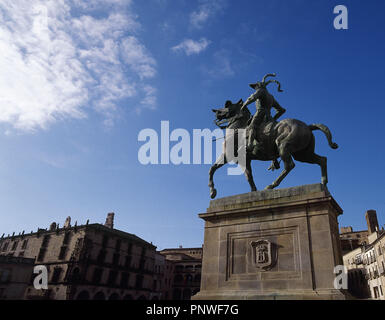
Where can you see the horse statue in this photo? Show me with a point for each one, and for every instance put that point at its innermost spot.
(286, 139)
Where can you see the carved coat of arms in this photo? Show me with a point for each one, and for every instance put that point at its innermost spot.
(263, 255)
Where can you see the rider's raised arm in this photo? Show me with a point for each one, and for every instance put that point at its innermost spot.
(279, 109)
(251, 99)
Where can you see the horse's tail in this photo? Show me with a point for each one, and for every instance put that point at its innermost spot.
(327, 133)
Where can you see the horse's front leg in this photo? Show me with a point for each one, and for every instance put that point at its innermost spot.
(289, 165)
(249, 175)
(221, 161)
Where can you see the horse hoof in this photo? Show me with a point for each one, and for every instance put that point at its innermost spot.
(213, 193)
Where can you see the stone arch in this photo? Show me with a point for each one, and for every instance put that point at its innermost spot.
(177, 294)
(186, 294)
(114, 296)
(142, 297)
(99, 296)
(128, 297)
(83, 295)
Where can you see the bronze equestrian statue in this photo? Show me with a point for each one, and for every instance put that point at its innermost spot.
(268, 139)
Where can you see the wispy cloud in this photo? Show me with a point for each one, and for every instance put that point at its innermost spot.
(189, 46)
(206, 9)
(221, 65)
(55, 65)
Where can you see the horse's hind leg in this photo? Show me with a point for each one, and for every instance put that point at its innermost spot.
(221, 161)
(287, 159)
(321, 161)
(249, 175)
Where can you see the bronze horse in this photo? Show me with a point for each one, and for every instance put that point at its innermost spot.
(286, 139)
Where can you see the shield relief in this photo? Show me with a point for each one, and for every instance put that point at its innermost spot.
(263, 254)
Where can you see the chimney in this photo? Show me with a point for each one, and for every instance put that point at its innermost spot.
(371, 220)
(110, 220)
(67, 223)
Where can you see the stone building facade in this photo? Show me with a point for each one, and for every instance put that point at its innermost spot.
(90, 261)
(351, 240)
(373, 258)
(366, 262)
(15, 276)
(357, 283)
(183, 275)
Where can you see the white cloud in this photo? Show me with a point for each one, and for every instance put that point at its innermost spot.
(190, 46)
(206, 9)
(55, 65)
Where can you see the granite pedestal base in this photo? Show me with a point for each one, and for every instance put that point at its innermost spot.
(272, 244)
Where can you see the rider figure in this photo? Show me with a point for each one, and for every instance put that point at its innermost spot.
(264, 101)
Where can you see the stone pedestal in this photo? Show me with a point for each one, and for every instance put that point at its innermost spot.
(272, 244)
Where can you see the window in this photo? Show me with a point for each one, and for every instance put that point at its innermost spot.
(62, 254)
(139, 282)
(56, 275)
(112, 278)
(375, 289)
(97, 277)
(101, 256)
(41, 254)
(14, 246)
(115, 259)
(5, 246)
(128, 262)
(124, 280)
(67, 238)
(76, 276)
(104, 241)
(45, 241)
(24, 245)
(4, 275)
(189, 278)
(142, 264)
(118, 244)
(179, 268)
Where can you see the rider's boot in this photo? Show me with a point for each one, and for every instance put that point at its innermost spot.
(274, 165)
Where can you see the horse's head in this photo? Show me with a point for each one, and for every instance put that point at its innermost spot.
(229, 111)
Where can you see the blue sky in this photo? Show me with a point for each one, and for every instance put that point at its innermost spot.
(80, 79)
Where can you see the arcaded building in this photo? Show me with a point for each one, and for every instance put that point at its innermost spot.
(90, 261)
(183, 273)
(15, 276)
